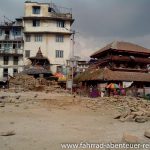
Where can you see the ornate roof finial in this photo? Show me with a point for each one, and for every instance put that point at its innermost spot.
(39, 53)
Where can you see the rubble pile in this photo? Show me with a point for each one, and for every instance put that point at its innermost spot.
(132, 109)
(16, 99)
(127, 108)
(23, 82)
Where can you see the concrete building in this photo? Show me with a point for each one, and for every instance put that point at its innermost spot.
(48, 27)
(79, 64)
(43, 25)
(11, 48)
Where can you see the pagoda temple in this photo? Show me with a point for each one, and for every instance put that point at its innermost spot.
(118, 62)
(40, 65)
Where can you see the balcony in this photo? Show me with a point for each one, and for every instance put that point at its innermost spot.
(14, 52)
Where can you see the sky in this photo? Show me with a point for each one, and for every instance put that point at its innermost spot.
(98, 22)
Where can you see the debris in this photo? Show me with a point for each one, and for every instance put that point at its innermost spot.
(16, 105)
(131, 109)
(117, 116)
(140, 119)
(138, 113)
(2, 97)
(8, 133)
(130, 139)
(129, 118)
(2, 104)
(36, 95)
(26, 107)
(147, 133)
(18, 97)
(12, 122)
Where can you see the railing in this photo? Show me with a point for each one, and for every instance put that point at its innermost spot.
(59, 9)
(12, 51)
(60, 15)
(61, 12)
(11, 37)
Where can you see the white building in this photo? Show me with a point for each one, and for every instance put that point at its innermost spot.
(11, 48)
(44, 25)
(48, 27)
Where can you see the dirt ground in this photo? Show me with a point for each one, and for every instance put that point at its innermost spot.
(43, 121)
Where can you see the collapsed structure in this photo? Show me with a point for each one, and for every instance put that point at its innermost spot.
(119, 62)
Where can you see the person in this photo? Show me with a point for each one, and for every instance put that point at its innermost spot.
(123, 93)
(102, 93)
(90, 92)
(115, 92)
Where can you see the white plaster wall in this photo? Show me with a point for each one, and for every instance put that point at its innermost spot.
(48, 47)
(46, 26)
(10, 66)
(43, 12)
(49, 29)
(28, 9)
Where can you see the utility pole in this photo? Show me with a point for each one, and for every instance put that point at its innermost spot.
(72, 60)
(73, 42)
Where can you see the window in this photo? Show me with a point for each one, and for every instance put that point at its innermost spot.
(6, 60)
(15, 71)
(14, 45)
(59, 69)
(38, 38)
(27, 53)
(36, 9)
(28, 38)
(50, 9)
(0, 32)
(36, 23)
(16, 60)
(19, 45)
(16, 31)
(61, 23)
(59, 38)
(7, 46)
(5, 72)
(59, 53)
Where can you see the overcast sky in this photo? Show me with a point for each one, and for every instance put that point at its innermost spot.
(98, 22)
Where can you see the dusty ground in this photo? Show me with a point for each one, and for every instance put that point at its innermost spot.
(42, 121)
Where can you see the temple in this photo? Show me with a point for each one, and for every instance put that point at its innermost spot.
(118, 62)
(40, 65)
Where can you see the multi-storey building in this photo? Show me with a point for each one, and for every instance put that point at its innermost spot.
(48, 27)
(11, 48)
(44, 25)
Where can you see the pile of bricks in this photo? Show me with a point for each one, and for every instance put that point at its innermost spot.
(132, 109)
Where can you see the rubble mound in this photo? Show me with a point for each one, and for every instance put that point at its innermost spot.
(132, 109)
(23, 82)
